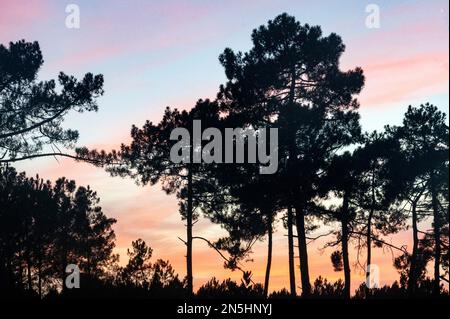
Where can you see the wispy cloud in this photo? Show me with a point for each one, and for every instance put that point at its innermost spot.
(397, 80)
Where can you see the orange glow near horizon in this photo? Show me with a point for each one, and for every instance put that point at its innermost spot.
(154, 54)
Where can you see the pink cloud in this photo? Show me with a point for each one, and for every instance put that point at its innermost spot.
(17, 16)
(20, 11)
(401, 62)
(395, 80)
(156, 25)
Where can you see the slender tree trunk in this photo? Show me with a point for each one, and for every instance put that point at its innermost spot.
(189, 218)
(303, 251)
(291, 251)
(40, 279)
(412, 280)
(300, 221)
(30, 281)
(369, 235)
(344, 239)
(369, 250)
(346, 261)
(437, 236)
(269, 258)
(448, 248)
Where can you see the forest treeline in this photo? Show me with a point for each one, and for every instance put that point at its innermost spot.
(355, 188)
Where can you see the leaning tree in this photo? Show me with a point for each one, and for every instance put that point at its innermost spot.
(157, 153)
(424, 146)
(32, 111)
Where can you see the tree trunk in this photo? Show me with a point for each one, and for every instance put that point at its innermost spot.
(303, 251)
(437, 236)
(291, 251)
(189, 218)
(344, 221)
(369, 251)
(412, 280)
(369, 236)
(40, 279)
(269, 257)
(300, 219)
(448, 249)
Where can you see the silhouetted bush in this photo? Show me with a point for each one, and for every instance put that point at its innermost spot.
(229, 289)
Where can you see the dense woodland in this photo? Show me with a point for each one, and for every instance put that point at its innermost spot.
(362, 187)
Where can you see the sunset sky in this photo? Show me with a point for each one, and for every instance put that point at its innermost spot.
(155, 54)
